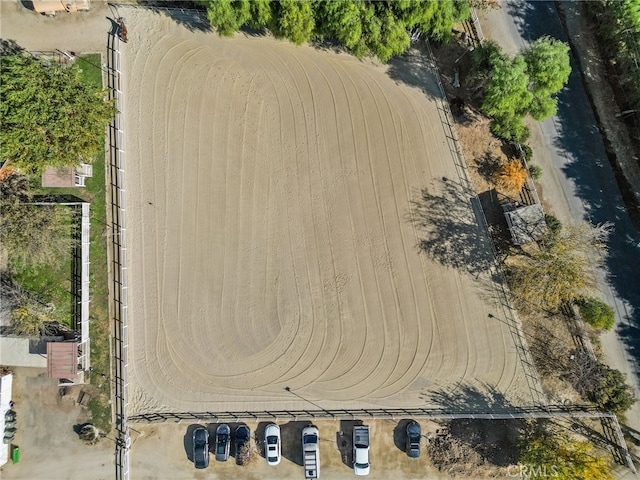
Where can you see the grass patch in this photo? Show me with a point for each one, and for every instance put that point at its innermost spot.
(99, 279)
(90, 67)
(50, 284)
(99, 326)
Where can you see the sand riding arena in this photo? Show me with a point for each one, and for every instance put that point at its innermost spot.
(298, 233)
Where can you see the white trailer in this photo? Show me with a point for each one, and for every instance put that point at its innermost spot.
(311, 451)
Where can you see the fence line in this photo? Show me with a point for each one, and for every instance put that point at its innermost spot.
(611, 427)
(512, 320)
(118, 252)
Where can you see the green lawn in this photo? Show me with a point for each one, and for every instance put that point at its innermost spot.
(50, 284)
(99, 308)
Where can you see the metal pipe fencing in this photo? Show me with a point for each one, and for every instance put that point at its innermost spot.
(117, 261)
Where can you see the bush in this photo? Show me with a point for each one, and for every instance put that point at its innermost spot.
(596, 313)
(610, 390)
(511, 176)
(553, 224)
(535, 171)
(526, 152)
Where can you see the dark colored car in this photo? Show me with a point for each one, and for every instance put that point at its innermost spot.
(201, 447)
(413, 439)
(242, 443)
(223, 441)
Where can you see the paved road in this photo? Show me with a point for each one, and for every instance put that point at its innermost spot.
(578, 181)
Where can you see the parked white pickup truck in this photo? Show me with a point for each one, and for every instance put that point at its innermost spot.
(361, 450)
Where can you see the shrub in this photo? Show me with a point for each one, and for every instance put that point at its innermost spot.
(610, 390)
(526, 152)
(596, 313)
(511, 176)
(535, 171)
(553, 224)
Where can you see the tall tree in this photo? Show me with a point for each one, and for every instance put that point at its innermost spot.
(561, 269)
(523, 85)
(507, 96)
(548, 68)
(294, 20)
(32, 234)
(227, 16)
(50, 117)
(365, 27)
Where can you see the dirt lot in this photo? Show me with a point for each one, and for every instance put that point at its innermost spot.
(49, 447)
(295, 218)
(388, 459)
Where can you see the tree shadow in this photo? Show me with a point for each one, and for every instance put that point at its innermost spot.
(291, 433)
(259, 437)
(487, 166)
(494, 442)
(447, 219)
(415, 69)
(186, 13)
(344, 440)
(9, 47)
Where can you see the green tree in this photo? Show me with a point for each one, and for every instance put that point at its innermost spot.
(50, 117)
(610, 391)
(596, 313)
(32, 234)
(29, 317)
(548, 68)
(365, 27)
(558, 456)
(294, 20)
(340, 19)
(227, 16)
(523, 85)
(561, 269)
(260, 12)
(507, 96)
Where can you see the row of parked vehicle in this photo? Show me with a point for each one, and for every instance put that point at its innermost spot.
(273, 446)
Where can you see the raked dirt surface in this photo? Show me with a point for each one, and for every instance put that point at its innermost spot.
(295, 218)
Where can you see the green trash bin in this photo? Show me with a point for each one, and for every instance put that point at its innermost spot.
(15, 454)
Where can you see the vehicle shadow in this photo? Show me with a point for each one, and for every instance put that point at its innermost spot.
(344, 440)
(292, 440)
(188, 440)
(400, 434)
(259, 437)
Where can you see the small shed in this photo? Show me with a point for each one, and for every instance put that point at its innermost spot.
(62, 361)
(67, 176)
(526, 223)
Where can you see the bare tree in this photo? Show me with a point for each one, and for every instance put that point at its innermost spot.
(561, 269)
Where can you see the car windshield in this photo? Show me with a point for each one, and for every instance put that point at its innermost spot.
(362, 465)
(273, 459)
(310, 439)
(272, 440)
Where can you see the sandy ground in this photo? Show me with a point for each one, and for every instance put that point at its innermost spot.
(276, 198)
(74, 32)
